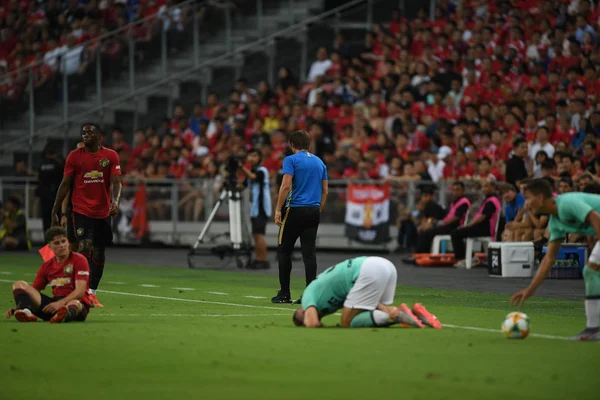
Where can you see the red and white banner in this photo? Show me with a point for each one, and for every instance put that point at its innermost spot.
(368, 213)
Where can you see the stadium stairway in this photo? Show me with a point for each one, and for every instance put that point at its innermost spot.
(153, 108)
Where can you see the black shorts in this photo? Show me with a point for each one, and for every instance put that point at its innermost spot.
(99, 231)
(47, 316)
(259, 225)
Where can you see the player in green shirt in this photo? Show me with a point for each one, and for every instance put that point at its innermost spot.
(569, 213)
(364, 289)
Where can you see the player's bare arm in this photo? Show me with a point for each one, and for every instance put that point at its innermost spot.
(594, 219)
(61, 195)
(286, 185)
(311, 318)
(325, 192)
(116, 192)
(78, 293)
(551, 253)
(63, 210)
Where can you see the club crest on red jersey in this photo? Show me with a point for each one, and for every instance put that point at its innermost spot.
(68, 269)
(104, 163)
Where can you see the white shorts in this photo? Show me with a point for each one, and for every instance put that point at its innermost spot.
(376, 283)
(595, 256)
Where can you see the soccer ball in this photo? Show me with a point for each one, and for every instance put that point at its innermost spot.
(516, 325)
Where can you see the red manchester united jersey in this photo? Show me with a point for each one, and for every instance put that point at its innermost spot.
(92, 174)
(61, 276)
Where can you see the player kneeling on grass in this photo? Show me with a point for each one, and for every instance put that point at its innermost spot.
(68, 273)
(364, 289)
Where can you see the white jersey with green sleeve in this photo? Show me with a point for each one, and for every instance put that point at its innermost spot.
(328, 292)
(572, 211)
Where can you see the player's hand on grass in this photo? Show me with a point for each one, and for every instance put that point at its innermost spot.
(52, 307)
(519, 298)
(9, 313)
(278, 220)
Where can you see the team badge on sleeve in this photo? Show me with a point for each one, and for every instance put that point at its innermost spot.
(104, 163)
(68, 269)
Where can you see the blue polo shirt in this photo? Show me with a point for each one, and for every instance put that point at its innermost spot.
(308, 172)
(512, 208)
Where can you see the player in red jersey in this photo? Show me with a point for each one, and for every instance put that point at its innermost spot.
(89, 173)
(67, 273)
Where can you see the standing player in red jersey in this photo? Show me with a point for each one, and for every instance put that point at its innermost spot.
(89, 173)
(68, 273)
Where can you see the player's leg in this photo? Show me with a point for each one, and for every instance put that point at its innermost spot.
(288, 234)
(27, 301)
(73, 311)
(308, 242)
(591, 275)
(360, 307)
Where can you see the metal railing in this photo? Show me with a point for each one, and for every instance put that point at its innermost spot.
(177, 202)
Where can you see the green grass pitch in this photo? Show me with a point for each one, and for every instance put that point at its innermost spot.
(169, 333)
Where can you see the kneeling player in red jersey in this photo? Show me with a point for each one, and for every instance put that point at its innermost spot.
(68, 273)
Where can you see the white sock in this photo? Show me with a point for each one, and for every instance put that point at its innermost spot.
(381, 318)
(592, 313)
(91, 291)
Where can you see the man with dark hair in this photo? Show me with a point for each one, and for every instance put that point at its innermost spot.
(364, 288)
(436, 221)
(483, 223)
(565, 185)
(513, 211)
(304, 191)
(68, 275)
(14, 234)
(515, 167)
(89, 173)
(260, 210)
(569, 213)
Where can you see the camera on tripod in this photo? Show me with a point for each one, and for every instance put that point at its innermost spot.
(239, 247)
(232, 166)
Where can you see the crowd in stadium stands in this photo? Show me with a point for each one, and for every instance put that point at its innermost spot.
(495, 91)
(58, 37)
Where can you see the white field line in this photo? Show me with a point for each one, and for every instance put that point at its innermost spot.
(5, 273)
(470, 328)
(148, 285)
(255, 297)
(194, 315)
(219, 293)
(116, 283)
(183, 288)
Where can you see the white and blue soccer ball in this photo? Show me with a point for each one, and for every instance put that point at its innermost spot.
(516, 325)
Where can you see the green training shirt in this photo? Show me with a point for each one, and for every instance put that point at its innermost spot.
(573, 209)
(328, 292)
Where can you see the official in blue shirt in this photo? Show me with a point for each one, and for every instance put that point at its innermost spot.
(260, 209)
(304, 192)
(512, 211)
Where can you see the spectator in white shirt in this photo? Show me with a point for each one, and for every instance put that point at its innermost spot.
(320, 66)
(541, 143)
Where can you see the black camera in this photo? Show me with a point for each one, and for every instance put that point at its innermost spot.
(231, 166)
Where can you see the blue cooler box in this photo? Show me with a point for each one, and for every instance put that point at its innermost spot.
(570, 261)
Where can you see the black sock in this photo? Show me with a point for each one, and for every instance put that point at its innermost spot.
(96, 271)
(22, 299)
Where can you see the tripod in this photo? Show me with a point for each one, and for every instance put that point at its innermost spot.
(237, 247)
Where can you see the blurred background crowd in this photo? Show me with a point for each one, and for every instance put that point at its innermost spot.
(494, 91)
